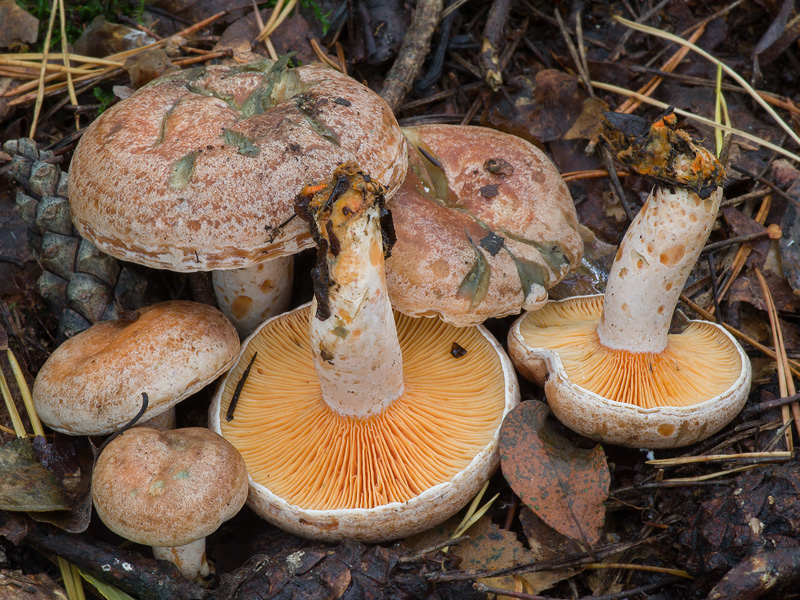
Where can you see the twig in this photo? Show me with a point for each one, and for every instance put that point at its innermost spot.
(131, 573)
(418, 556)
(785, 381)
(757, 409)
(487, 59)
(573, 560)
(772, 233)
(663, 463)
(639, 591)
(415, 47)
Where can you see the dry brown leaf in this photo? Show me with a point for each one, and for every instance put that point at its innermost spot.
(587, 125)
(563, 484)
(18, 28)
(490, 548)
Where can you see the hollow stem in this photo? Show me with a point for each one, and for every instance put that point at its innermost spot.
(356, 351)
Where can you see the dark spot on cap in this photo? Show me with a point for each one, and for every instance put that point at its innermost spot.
(342, 101)
(489, 191)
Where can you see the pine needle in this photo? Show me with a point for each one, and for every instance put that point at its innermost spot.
(40, 93)
(730, 72)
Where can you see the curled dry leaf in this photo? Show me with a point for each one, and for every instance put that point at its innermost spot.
(563, 484)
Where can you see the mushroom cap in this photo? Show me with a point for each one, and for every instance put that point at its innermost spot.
(323, 475)
(691, 390)
(168, 488)
(198, 170)
(92, 384)
(483, 234)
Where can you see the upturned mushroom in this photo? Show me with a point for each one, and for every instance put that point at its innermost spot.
(484, 226)
(610, 368)
(354, 422)
(92, 384)
(169, 490)
(198, 170)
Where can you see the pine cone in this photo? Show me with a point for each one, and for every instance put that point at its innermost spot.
(81, 284)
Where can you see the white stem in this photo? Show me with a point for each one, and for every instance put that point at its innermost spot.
(652, 264)
(249, 296)
(189, 558)
(356, 350)
(163, 422)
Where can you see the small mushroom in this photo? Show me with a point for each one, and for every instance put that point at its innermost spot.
(198, 170)
(356, 422)
(484, 226)
(169, 490)
(92, 384)
(610, 368)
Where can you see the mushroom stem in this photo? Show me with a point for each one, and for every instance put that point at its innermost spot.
(249, 296)
(665, 239)
(189, 558)
(652, 264)
(165, 421)
(356, 351)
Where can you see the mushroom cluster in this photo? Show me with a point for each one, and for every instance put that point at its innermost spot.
(354, 419)
(610, 368)
(356, 422)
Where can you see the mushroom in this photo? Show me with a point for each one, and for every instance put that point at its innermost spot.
(356, 422)
(169, 490)
(610, 368)
(198, 170)
(484, 226)
(92, 384)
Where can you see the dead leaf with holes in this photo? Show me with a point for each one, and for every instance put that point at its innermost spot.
(563, 484)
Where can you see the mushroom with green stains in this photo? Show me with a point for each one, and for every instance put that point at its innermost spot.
(609, 365)
(169, 490)
(484, 225)
(357, 423)
(198, 170)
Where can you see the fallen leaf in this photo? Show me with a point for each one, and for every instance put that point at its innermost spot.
(101, 38)
(491, 548)
(587, 125)
(71, 459)
(18, 28)
(563, 484)
(26, 484)
(543, 109)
